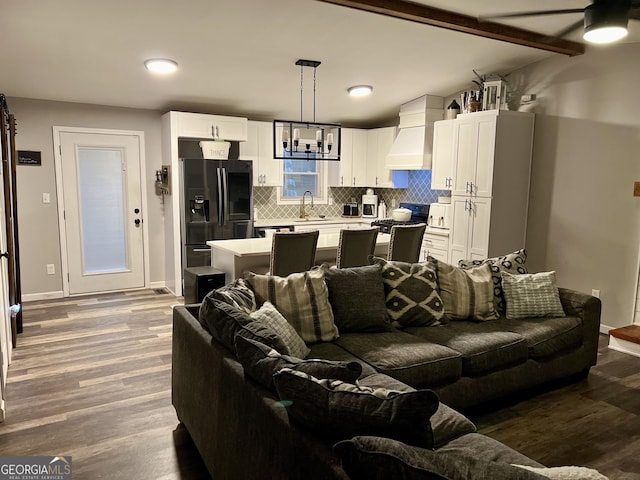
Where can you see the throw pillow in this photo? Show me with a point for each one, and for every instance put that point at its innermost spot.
(238, 294)
(566, 473)
(357, 299)
(368, 457)
(224, 321)
(466, 294)
(532, 295)
(411, 293)
(260, 362)
(512, 263)
(269, 315)
(341, 410)
(302, 298)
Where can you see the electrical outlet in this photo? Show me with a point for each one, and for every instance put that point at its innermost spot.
(330, 200)
(51, 269)
(595, 293)
(46, 198)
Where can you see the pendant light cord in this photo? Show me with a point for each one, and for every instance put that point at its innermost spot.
(302, 91)
(301, 88)
(314, 94)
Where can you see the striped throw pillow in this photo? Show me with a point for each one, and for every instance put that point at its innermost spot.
(268, 315)
(532, 295)
(466, 293)
(302, 298)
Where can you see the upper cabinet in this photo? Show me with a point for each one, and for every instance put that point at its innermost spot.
(198, 125)
(477, 149)
(363, 160)
(267, 171)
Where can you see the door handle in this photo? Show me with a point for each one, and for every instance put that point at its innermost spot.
(4, 254)
(137, 221)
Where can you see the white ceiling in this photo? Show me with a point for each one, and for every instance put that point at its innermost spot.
(238, 56)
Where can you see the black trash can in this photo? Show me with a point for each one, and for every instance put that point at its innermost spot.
(198, 281)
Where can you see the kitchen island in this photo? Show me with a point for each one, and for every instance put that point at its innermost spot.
(234, 257)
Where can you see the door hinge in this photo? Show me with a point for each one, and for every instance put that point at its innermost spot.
(60, 149)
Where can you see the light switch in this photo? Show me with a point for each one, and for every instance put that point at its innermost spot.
(46, 198)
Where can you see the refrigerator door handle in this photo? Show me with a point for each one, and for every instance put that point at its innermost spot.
(225, 193)
(220, 205)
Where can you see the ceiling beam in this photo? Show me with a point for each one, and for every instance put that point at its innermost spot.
(417, 12)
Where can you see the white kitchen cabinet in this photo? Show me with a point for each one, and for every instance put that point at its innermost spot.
(443, 155)
(435, 245)
(198, 125)
(267, 171)
(351, 170)
(470, 229)
(322, 227)
(379, 142)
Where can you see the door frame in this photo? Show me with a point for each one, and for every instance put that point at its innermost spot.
(64, 254)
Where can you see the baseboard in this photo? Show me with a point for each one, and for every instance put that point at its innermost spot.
(154, 285)
(605, 329)
(34, 297)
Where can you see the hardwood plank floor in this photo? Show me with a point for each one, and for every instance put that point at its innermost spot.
(91, 378)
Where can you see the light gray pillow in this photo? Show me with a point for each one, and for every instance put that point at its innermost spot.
(466, 293)
(532, 295)
(269, 315)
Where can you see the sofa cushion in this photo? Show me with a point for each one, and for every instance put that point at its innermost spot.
(446, 423)
(411, 292)
(268, 315)
(478, 445)
(356, 295)
(410, 359)
(224, 321)
(512, 263)
(332, 351)
(260, 362)
(302, 298)
(466, 293)
(546, 336)
(484, 346)
(566, 473)
(531, 295)
(237, 294)
(366, 457)
(340, 410)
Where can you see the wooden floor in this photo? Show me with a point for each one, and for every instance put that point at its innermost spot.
(91, 379)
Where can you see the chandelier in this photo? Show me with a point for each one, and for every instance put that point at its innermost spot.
(303, 139)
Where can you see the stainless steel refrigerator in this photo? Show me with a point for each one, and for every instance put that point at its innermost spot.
(217, 204)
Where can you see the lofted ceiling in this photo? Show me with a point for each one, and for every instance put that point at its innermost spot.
(237, 57)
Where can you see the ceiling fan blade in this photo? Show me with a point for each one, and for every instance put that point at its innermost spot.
(570, 29)
(531, 14)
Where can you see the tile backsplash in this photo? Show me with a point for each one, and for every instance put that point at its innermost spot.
(418, 191)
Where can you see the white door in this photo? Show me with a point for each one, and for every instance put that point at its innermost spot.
(478, 245)
(5, 311)
(465, 151)
(102, 211)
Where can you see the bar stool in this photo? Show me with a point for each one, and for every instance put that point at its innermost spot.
(355, 247)
(293, 252)
(406, 242)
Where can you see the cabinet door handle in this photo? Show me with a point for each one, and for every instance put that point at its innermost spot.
(341, 180)
(354, 181)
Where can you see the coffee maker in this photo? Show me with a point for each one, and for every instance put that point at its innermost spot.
(370, 204)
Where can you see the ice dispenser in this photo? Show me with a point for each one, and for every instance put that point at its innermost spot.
(199, 209)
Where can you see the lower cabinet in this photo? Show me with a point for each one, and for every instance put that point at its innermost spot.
(470, 229)
(436, 246)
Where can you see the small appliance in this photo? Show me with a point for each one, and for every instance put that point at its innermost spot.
(419, 214)
(370, 205)
(440, 215)
(350, 210)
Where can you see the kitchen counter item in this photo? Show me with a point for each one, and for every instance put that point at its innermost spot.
(350, 210)
(401, 214)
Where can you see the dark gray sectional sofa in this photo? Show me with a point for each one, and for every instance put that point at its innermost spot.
(242, 431)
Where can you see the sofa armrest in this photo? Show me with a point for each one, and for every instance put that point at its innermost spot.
(588, 308)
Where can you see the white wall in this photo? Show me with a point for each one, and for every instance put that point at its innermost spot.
(38, 222)
(583, 219)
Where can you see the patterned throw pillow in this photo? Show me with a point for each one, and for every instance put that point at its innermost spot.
(411, 293)
(532, 295)
(341, 410)
(302, 298)
(466, 293)
(268, 315)
(511, 263)
(260, 362)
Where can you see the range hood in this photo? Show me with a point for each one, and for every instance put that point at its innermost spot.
(413, 145)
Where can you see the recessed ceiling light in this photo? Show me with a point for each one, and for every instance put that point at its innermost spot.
(161, 65)
(360, 90)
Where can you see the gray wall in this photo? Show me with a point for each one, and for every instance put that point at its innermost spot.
(38, 222)
(583, 219)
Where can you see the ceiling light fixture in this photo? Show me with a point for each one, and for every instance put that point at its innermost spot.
(306, 140)
(605, 24)
(161, 65)
(360, 90)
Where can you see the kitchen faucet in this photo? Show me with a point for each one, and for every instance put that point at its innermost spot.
(303, 207)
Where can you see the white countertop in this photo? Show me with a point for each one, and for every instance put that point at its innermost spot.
(282, 222)
(262, 246)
